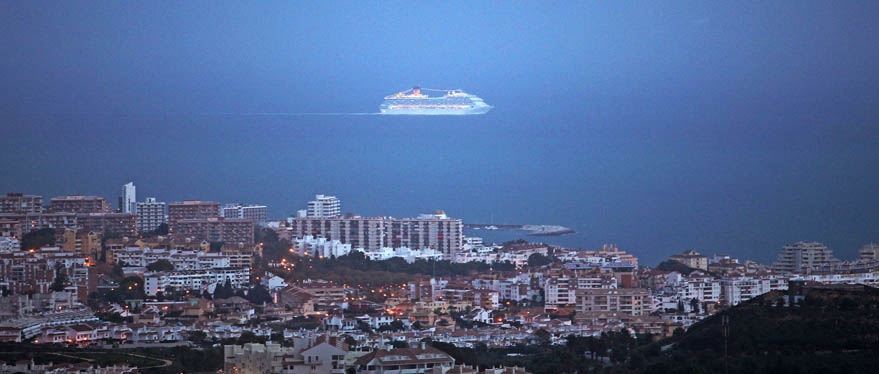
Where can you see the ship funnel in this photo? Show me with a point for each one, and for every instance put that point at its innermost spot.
(416, 90)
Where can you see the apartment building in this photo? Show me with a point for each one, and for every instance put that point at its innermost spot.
(632, 301)
(216, 229)
(194, 280)
(254, 358)
(151, 214)
(191, 210)
(18, 224)
(692, 259)
(119, 223)
(79, 204)
(802, 256)
(420, 360)
(255, 213)
(82, 242)
(21, 203)
(128, 200)
(700, 286)
(429, 231)
(324, 207)
(560, 289)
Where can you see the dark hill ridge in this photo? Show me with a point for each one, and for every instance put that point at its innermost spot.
(808, 329)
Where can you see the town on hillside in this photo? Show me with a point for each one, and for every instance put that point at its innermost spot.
(192, 285)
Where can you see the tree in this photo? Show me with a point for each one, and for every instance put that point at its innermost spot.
(118, 272)
(396, 325)
(542, 337)
(694, 305)
(350, 341)
(537, 260)
(197, 336)
(672, 265)
(399, 344)
(259, 295)
(224, 291)
(60, 277)
(38, 238)
(250, 337)
(161, 265)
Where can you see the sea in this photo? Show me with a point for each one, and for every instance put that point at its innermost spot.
(654, 178)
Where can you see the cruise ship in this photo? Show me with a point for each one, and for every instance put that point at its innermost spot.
(414, 102)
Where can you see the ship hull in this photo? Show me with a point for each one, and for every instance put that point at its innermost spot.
(436, 111)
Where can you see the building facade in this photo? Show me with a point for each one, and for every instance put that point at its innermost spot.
(20, 203)
(428, 231)
(803, 256)
(217, 229)
(632, 301)
(692, 259)
(150, 214)
(129, 199)
(256, 213)
(324, 207)
(119, 223)
(79, 204)
(191, 210)
(869, 252)
(421, 360)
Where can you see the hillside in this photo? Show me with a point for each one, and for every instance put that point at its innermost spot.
(825, 330)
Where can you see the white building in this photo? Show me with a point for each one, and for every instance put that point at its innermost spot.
(869, 279)
(740, 288)
(255, 213)
(471, 242)
(324, 206)
(9, 244)
(701, 287)
(560, 291)
(320, 247)
(407, 254)
(150, 214)
(129, 199)
(803, 255)
(194, 280)
(181, 259)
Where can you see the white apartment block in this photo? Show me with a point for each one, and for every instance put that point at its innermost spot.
(182, 260)
(324, 207)
(743, 288)
(869, 252)
(633, 301)
(407, 254)
(561, 291)
(254, 358)
(150, 214)
(9, 244)
(256, 213)
(803, 255)
(194, 280)
(701, 287)
(320, 247)
(471, 242)
(128, 203)
(428, 231)
(869, 279)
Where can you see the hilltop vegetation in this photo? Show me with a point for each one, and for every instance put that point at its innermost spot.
(829, 331)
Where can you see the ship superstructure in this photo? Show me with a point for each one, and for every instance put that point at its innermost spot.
(414, 102)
